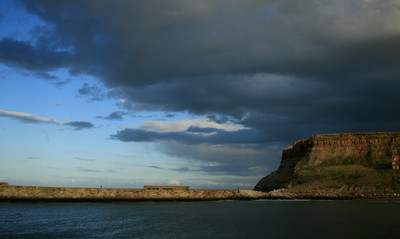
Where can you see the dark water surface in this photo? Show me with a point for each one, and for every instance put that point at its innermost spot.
(220, 219)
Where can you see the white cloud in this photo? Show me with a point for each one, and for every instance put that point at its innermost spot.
(27, 118)
(183, 125)
(174, 182)
(34, 119)
(213, 183)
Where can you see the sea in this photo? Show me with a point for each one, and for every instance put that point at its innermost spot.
(214, 219)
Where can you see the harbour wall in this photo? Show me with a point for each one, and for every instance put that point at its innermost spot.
(9, 193)
(12, 193)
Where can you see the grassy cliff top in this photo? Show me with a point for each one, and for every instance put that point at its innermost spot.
(345, 136)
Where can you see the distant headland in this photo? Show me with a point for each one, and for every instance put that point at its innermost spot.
(338, 166)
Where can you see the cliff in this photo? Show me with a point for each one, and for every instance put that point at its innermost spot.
(342, 164)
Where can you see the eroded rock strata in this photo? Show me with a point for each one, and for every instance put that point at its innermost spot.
(345, 165)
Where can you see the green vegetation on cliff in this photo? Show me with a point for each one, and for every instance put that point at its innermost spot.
(345, 136)
(336, 176)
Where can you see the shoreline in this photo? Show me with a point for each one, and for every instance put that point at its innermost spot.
(59, 194)
(11, 193)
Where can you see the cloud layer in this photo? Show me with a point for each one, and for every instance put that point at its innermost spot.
(27, 118)
(283, 70)
(33, 119)
(230, 149)
(190, 132)
(78, 125)
(271, 65)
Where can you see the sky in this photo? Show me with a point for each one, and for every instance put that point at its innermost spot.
(204, 93)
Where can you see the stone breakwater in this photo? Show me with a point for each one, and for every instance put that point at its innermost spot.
(50, 194)
(30, 193)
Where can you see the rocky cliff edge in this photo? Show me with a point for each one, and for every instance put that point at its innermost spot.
(349, 164)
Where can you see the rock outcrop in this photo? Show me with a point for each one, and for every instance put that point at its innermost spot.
(336, 163)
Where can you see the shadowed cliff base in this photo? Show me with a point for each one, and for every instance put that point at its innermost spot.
(338, 165)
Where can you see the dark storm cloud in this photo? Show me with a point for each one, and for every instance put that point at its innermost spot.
(169, 115)
(47, 76)
(237, 169)
(78, 125)
(286, 69)
(113, 116)
(94, 92)
(233, 159)
(181, 169)
(193, 129)
(187, 137)
(36, 58)
(223, 169)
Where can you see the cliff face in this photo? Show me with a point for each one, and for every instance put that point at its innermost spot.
(340, 158)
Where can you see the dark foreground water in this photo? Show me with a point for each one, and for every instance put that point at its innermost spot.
(221, 219)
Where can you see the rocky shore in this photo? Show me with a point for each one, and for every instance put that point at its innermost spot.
(345, 193)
